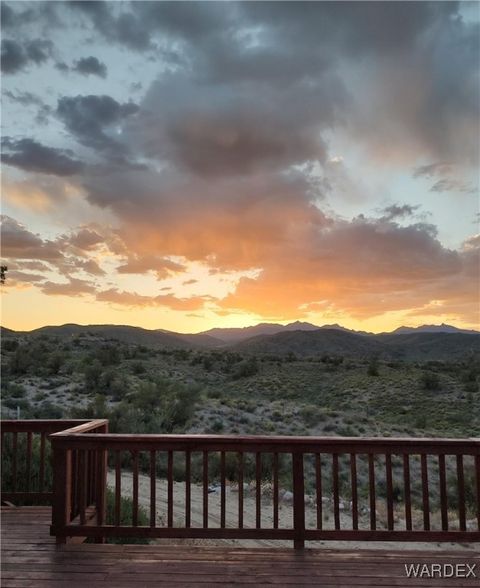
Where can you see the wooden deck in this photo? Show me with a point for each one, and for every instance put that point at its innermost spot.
(31, 558)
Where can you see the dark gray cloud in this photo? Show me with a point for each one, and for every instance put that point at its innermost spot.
(24, 98)
(135, 24)
(85, 239)
(432, 169)
(13, 57)
(397, 211)
(221, 129)
(19, 243)
(74, 287)
(126, 28)
(7, 15)
(28, 99)
(39, 50)
(89, 118)
(446, 178)
(62, 66)
(32, 156)
(453, 185)
(90, 66)
(16, 56)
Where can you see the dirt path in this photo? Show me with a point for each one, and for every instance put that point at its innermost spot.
(249, 515)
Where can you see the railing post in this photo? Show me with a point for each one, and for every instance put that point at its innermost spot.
(298, 501)
(62, 485)
(101, 490)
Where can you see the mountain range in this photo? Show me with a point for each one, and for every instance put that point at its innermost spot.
(428, 342)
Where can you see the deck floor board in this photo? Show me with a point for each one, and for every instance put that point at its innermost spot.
(30, 558)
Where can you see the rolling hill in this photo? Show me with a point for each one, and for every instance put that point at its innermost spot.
(126, 334)
(411, 347)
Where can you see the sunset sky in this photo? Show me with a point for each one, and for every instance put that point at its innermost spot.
(185, 165)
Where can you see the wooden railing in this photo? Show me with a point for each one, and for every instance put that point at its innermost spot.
(300, 488)
(26, 458)
(334, 466)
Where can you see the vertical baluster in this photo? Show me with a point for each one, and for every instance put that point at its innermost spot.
(29, 461)
(353, 475)
(14, 460)
(170, 490)
(93, 476)
(74, 485)
(88, 461)
(258, 490)
(408, 499)
(388, 468)
(88, 478)
(336, 496)
(318, 484)
(425, 493)
(118, 487)
(477, 477)
(222, 489)
(101, 464)
(298, 500)
(275, 490)
(205, 489)
(135, 488)
(443, 492)
(41, 473)
(371, 484)
(153, 488)
(240, 490)
(461, 494)
(82, 482)
(2, 448)
(188, 489)
(62, 478)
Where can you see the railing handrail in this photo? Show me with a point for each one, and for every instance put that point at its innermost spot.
(358, 445)
(38, 425)
(81, 427)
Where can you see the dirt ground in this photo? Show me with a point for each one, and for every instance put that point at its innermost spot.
(249, 515)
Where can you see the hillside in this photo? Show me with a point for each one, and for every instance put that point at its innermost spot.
(411, 347)
(441, 346)
(309, 343)
(236, 334)
(125, 334)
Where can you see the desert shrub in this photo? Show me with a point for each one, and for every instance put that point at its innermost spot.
(16, 391)
(48, 410)
(138, 367)
(126, 518)
(20, 361)
(92, 375)
(109, 355)
(430, 381)
(217, 426)
(311, 415)
(372, 369)
(9, 345)
(55, 362)
(246, 368)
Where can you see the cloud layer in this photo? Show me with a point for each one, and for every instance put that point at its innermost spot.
(227, 156)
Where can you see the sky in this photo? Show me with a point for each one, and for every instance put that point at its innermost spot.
(189, 165)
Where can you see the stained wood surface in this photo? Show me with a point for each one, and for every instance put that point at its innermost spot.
(30, 558)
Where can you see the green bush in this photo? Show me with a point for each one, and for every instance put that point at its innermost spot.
(430, 381)
(126, 518)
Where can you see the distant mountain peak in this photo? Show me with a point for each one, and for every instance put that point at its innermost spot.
(442, 328)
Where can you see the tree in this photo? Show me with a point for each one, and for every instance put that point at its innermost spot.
(3, 271)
